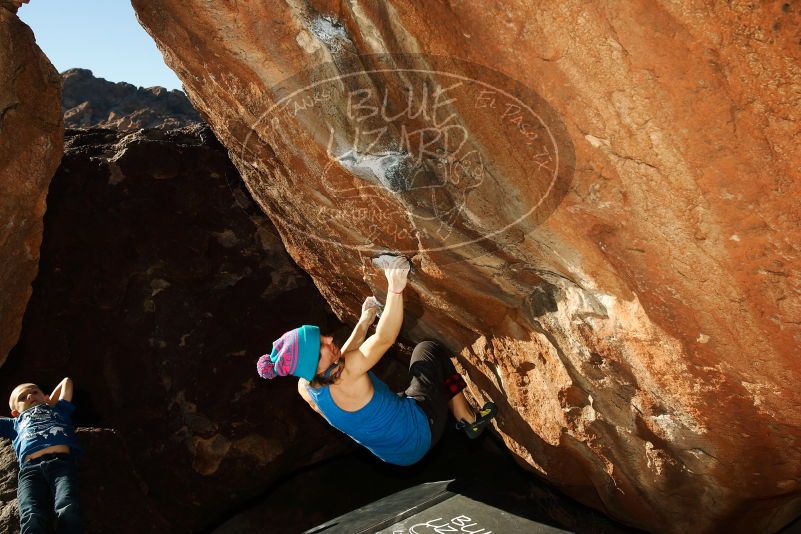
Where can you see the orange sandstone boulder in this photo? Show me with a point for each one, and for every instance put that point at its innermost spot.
(601, 203)
(31, 140)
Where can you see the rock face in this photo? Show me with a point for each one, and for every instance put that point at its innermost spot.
(610, 246)
(31, 140)
(94, 102)
(160, 285)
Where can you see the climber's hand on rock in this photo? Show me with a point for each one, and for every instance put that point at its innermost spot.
(370, 309)
(396, 271)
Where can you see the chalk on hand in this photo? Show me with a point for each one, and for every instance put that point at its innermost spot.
(385, 260)
(372, 302)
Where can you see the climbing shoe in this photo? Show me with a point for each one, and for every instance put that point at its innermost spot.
(484, 416)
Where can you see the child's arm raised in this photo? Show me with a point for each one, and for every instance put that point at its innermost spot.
(63, 391)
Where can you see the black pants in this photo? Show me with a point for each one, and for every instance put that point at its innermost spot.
(434, 382)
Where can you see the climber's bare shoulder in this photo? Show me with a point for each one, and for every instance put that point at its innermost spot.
(353, 389)
(351, 378)
(360, 360)
(350, 392)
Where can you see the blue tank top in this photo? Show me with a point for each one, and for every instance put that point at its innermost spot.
(393, 428)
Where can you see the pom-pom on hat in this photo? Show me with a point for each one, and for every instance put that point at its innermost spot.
(297, 353)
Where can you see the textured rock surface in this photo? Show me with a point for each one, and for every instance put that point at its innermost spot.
(160, 284)
(642, 340)
(31, 138)
(104, 499)
(95, 102)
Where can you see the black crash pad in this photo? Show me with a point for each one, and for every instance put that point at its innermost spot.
(436, 508)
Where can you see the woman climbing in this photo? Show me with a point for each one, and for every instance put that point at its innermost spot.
(339, 385)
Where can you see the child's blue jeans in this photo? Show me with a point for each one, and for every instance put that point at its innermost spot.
(47, 484)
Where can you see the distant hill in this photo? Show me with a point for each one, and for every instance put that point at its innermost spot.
(88, 101)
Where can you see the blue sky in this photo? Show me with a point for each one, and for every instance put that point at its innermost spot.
(100, 35)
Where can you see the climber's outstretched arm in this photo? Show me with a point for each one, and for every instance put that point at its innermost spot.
(358, 362)
(370, 308)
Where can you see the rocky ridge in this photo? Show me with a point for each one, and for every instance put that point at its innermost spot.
(90, 102)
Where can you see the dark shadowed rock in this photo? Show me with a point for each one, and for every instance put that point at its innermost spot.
(89, 102)
(161, 283)
(483, 462)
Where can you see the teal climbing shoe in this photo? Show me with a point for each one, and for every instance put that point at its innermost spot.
(485, 415)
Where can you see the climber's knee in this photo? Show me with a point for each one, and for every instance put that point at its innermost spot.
(429, 349)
